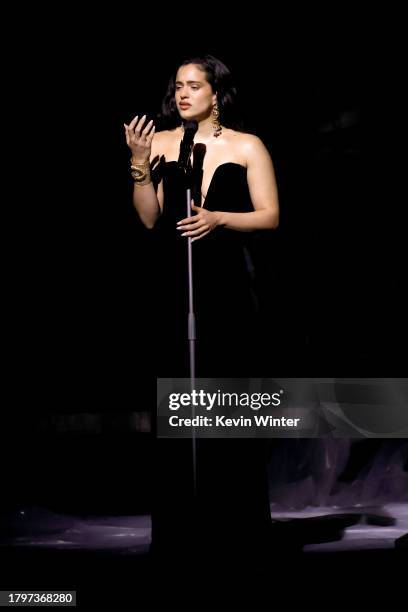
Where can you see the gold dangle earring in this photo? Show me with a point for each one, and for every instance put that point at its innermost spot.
(215, 121)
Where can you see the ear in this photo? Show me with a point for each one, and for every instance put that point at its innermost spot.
(214, 98)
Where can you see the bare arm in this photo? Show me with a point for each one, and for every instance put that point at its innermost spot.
(140, 140)
(264, 197)
(263, 191)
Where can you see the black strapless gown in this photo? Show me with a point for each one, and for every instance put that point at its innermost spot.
(224, 301)
(232, 508)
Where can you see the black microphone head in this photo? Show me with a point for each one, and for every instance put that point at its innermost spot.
(186, 145)
(191, 127)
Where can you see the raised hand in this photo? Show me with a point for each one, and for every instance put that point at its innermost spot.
(139, 139)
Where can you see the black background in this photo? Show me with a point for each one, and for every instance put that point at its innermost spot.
(77, 264)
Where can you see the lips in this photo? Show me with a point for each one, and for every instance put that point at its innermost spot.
(184, 106)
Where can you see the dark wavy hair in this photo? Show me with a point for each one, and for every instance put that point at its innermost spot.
(220, 79)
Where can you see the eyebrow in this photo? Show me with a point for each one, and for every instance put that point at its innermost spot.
(189, 82)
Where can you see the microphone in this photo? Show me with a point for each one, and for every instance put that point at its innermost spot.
(186, 145)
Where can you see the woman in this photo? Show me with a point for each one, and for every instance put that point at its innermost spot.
(234, 193)
(238, 194)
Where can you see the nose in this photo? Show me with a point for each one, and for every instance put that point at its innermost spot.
(182, 92)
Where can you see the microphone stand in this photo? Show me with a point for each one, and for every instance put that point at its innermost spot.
(188, 175)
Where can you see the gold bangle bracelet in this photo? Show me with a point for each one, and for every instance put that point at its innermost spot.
(147, 181)
(140, 179)
(139, 173)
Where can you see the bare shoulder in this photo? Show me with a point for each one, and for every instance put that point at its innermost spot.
(164, 133)
(162, 141)
(162, 137)
(249, 145)
(167, 135)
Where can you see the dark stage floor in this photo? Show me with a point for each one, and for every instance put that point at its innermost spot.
(106, 559)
